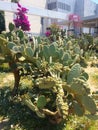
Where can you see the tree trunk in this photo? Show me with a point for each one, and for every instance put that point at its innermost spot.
(15, 72)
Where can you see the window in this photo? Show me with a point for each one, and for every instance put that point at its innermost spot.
(52, 5)
(15, 1)
(64, 6)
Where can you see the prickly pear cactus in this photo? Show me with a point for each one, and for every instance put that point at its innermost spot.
(59, 82)
(62, 105)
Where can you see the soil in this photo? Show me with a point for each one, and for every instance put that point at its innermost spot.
(93, 82)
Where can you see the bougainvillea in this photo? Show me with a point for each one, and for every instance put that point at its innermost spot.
(48, 33)
(75, 19)
(21, 19)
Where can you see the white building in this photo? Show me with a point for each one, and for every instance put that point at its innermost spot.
(42, 18)
(35, 21)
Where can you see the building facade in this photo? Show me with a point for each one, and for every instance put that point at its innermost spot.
(85, 9)
(35, 21)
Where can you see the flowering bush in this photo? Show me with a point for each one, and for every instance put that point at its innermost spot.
(48, 33)
(21, 18)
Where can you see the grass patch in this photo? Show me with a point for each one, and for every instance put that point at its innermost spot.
(4, 67)
(95, 78)
(81, 123)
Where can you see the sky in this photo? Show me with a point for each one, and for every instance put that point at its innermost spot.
(96, 1)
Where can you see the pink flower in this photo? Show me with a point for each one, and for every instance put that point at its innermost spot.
(48, 33)
(21, 19)
(19, 5)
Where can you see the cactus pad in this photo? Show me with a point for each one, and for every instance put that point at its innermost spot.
(41, 102)
(29, 52)
(74, 73)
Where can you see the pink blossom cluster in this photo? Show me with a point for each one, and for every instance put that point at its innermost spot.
(48, 33)
(21, 19)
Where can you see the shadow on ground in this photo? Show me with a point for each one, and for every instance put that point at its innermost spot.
(18, 116)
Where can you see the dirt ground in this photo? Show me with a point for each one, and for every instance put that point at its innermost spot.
(93, 77)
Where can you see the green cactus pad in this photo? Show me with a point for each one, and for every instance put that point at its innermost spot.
(41, 102)
(66, 56)
(29, 52)
(89, 104)
(22, 49)
(20, 34)
(46, 83)
(16, 49)
(78, 87)
(10, 45)
(92, 117)
(60, 52)
(84, 74)
(52, 50)
(46, 51)
(11, 27)
(27, 101)
(77, 50)
(78, 109)
(38, 40)
(74, 73)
